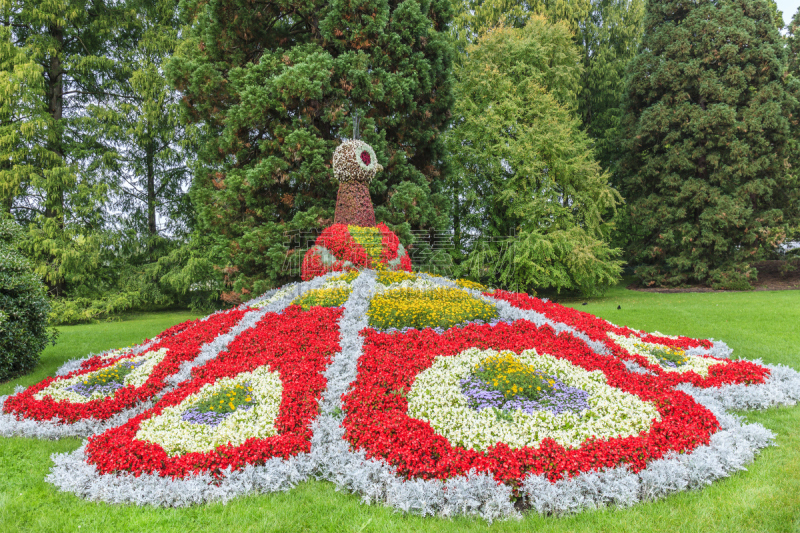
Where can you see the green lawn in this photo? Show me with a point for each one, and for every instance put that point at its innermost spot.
(764, 498)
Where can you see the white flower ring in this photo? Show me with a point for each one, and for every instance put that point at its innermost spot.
(178, 436)
(59, 389)
(436, 397)
(634, 345)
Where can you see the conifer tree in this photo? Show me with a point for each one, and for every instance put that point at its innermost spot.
(609, 38)
(521, 164)
(793, 37)
(275, 85)
(142, 128)
(708, 171)
(608, 33)
(54, 61)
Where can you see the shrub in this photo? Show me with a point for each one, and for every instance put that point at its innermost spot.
(23, 308)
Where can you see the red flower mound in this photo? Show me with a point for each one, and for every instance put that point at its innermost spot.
(725, 373)
(337, 251)
(183, 342)
(377, 420)
(297, 344)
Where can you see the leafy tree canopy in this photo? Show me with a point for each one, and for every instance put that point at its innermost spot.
(522, 164)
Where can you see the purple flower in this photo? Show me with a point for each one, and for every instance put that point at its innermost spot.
(559, 399)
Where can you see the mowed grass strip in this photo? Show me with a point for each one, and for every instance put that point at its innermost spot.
(766, 497)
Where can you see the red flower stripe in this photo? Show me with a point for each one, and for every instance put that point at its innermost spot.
(726, 372)
(377, 421)
(297, 344)
(182, 346)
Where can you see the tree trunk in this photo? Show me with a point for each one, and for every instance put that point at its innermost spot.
(54, 199)
(151, 190)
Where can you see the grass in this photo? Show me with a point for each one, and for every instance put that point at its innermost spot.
(766, 497)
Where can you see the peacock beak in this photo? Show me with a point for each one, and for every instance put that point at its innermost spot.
(378, 168)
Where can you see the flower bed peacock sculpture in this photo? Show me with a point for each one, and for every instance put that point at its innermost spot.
(433, 395)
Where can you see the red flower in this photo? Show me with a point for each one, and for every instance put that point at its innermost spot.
(377, 421)
(344, 248)
(297, 344)
(726, 372)
(183, 343)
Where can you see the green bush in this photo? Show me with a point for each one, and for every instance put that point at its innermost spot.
(23, 308)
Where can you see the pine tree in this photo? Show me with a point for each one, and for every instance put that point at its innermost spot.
(708, 173)
(274, 87)
(521, 164)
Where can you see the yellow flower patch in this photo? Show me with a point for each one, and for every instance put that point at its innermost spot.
(371, 239)
(441, 307)
(387, 277)
(347, 277)
(334, 297)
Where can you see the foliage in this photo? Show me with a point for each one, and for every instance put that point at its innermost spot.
(710, 165)
(23, 308)
(56, 60)
(607, 33)
(793, 39)
(608, 41)
(272, 89)
(521, 164)
(141, 128)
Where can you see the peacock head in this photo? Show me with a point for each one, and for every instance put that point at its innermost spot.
(355, 160)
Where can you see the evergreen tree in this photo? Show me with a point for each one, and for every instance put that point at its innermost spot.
(608, 33)
(54, 57)
(142, 127)
(708, 172)
(793, 37)
(273, 88)
(609, 38)
(521, 164)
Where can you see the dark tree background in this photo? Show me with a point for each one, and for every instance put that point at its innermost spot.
(273, 87)
(709, 170)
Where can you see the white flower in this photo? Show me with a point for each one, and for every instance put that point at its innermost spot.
(275, 297)
(634, 345)
(436, 397)
(58, 390)
(178, 436)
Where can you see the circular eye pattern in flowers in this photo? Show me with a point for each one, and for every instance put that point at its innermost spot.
(213, 421)
(228, 411)
(408, 406)
(440, 396)
(572, 404)
(354, 160)
(669, 358)
(713, 372)
(105, 382)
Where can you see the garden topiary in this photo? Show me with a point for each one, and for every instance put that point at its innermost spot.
(23, 308)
